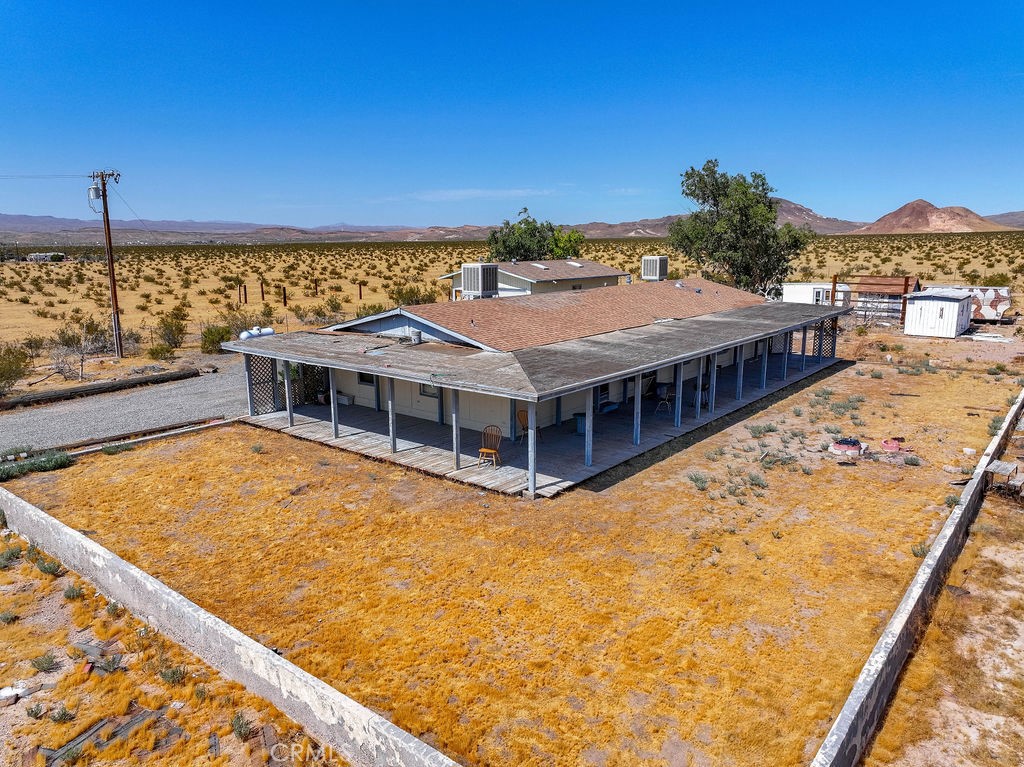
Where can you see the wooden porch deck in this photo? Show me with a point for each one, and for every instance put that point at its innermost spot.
(426, 445)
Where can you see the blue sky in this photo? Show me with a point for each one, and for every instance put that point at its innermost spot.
(452, 113)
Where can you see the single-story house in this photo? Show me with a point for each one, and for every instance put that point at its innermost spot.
(816, 293)
(880, 297)
(938, 312)
(628, 366)
(521, 278)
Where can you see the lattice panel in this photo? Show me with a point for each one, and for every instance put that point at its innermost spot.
(831, 333)
(262, 371)
(314, 379)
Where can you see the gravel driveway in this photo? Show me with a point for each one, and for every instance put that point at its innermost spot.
(147, 407)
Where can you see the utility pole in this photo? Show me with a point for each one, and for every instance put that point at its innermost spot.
(98, 190)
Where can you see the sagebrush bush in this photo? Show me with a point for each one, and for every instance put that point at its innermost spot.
(212, 337)
(14, 365)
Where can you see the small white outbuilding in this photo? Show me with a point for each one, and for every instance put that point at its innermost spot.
(815, 293)
(938, 312)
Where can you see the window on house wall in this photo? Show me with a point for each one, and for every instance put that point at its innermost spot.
(366, 379)
(428, 390)
(822, 295)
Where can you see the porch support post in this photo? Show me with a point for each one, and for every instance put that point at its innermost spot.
(677, 373)
(376, 394)
(834, 330)
(440, 405)
(531, 420)
(588, 431)
(288, 392)
(558, 411)
(637, 401)
(739, 372)
(456, 430)
(819, 333)
(803, 348)
(512, 422)
(786, 346)
(699, 388)
(247, 358)
(764, 363)
(391, 414)
(713, 385)
(333, 390)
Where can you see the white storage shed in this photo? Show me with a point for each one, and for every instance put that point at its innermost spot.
(938, 312)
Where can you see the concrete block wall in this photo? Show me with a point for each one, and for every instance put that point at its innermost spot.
(354, 731)
(863, 711)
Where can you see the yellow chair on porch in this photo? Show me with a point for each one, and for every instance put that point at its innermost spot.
(490, 446)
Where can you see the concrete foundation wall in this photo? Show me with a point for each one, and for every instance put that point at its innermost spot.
(855, 726)
(354, 731)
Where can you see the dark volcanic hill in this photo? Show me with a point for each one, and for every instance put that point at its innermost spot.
(920, 216)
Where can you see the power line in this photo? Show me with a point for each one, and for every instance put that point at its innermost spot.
(122, 199)
(38, 175)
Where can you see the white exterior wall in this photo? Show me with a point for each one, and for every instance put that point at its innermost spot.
(937, 317)
(803, 292)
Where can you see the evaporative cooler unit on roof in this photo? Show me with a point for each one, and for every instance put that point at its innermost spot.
(654, 268)
(479, 280)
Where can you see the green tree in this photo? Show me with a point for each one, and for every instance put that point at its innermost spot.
(733, 236)
(527, 239)
(566, 244)
(14, 364)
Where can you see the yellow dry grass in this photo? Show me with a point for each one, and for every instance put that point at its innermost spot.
(648, 623)
(40, 297)
(47, 622)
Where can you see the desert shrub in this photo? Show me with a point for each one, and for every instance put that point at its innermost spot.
(73, 592)
(160, 351)
(240, 726)
(995, 425)
(212, 337)
(952, 500)
(48, 461)
(238, 318)
(173, 675)
(911, 460)
(7, 617)
(50, 567)
(919, 550)
(171, 327)
(759, 430)
(877, 374)
(699, 480)
(410, 294)
(367, 309)
(63, 715)
(45, 663)
(14, 365)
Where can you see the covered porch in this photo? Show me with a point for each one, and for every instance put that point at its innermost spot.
(561, 451)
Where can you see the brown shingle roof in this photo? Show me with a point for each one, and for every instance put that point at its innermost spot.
(508, 324)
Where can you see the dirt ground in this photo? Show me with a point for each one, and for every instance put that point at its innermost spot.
(711, 607)
(45, 614)
(961, 699)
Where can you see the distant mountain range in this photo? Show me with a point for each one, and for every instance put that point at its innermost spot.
(34, 231)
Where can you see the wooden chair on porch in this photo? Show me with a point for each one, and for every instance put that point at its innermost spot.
(490, 446)
(523, 418)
